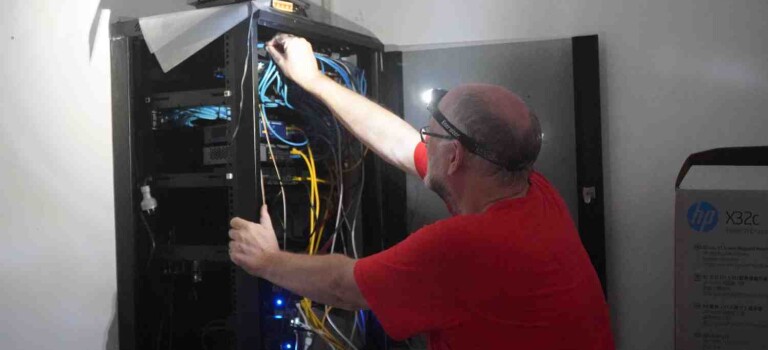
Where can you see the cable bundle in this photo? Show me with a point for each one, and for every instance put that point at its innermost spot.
(188, 117)
(321, 131)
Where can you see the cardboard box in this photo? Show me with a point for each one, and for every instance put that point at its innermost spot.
(721, 259)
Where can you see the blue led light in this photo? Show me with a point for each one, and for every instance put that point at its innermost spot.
(279, 302)
(279, 317)
(287, 346)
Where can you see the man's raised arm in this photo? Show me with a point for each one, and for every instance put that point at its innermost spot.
(385, 133)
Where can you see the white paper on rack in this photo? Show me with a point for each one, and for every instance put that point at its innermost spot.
(176, 36)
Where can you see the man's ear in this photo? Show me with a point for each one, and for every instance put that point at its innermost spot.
(457, 157)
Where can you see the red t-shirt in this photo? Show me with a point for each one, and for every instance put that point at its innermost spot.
(513, 277)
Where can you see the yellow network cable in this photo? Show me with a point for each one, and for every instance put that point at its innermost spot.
(313, 179)
(319, 234)
(314, 199)
(311, 188)
(302, 179)
(314, 244)
(315, 236)
(314, 174)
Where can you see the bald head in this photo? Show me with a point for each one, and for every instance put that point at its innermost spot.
(496, 118)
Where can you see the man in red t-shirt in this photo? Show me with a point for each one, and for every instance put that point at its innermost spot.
(507, 270)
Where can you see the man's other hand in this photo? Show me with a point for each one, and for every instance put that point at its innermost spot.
(295, 58)
(252, 243)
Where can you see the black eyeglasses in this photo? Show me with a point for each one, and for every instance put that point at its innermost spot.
(454, 133)
(424, 131)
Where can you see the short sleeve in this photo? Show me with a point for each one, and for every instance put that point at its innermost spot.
(415, 286)
(420, 159)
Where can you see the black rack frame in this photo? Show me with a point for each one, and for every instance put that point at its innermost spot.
(131, 99)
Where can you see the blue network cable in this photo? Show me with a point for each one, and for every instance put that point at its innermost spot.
(341, 71)
(277, 136)
(272, 77)
(187, 116)
(363, 83)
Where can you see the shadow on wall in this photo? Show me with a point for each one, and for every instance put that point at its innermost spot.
(113, 342)
(95, 25)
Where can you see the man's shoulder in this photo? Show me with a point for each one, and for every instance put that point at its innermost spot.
(459, 231)
(457, 223)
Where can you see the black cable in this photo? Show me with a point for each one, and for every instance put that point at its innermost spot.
(245, 73)
(339, 177)
(151, 237)
(208, 328)
(160, 333)
(170, 322)
(323, 127)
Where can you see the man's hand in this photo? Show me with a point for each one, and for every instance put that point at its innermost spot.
(252, 243)
(295, 58)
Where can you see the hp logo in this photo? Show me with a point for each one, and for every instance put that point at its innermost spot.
(702, 217)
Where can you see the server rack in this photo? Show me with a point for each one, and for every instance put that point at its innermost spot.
(176, 286)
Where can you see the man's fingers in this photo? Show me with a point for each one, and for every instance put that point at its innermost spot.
(274, 51)
(271, 42)
(236, 258)
(280, 38)
(277, 44)
(265, 220)
(234, 235)
(238, 223)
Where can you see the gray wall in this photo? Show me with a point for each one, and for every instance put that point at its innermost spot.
(540, 72)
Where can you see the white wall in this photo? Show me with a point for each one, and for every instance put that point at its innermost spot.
(57, 244)
(57, 238)
(677, 77)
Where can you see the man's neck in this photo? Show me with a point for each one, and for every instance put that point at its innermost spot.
(478, 196)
